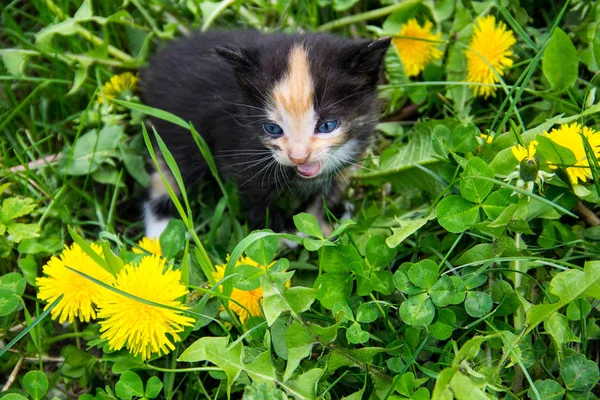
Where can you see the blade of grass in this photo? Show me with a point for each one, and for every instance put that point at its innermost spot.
(33, 324)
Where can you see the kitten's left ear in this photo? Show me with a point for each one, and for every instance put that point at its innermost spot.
(366, 57)
(241, 60)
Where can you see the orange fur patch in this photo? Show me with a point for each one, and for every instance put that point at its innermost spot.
(293, 96)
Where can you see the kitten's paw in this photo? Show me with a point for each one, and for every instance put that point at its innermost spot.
(154, 224)
(156, 228)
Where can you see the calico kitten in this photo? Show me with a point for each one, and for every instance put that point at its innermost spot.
(284, 116)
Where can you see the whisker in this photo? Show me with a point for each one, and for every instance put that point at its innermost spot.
(255, 175)
(253, 165)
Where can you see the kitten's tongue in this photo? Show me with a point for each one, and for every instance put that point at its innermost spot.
(309, 170)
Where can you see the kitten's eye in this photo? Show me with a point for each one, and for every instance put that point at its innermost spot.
(272, 129)
(327, 126)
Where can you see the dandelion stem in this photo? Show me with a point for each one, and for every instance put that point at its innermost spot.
(65, 336)
(198, 369)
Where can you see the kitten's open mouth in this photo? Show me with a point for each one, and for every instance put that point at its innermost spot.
(309, 170)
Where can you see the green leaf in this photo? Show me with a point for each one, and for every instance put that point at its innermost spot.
(401, 281)
(477, 304)
(36, 384)
(464, 138)
(367, 313)
(134, 162)
(378, 253)
(15, 60)
(555, 153)
(406, 384)
(443, 292)
(424, 274)
(263, 250)
(19, 232)
(407, 227)
(308, 225)
(81, 74)
(172, 239)
(402, 164)
(356, 335)
(471, 188)
(578, 310)
(248, 277)
(91, 150)
(333, 288)
(299, 342)
(579, 373)
(28, 267)
(341, 228)
(153, 387)
(263, 391)
(567, 285)
(305, 386)
(548, 389)
(13, 282)
(214, 350)
(14, 396)
(417, 310)
(331, 259)
(442, 140)
(340, 357)
(382, 282)
(560, 61)
(497, 202)
(443, 327)
(13, 208)
(277, 299)
(557, 326)
(456, 214)
(261, 368)
(9, 302)
(129, 385)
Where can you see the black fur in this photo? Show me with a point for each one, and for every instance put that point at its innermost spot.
(219, 81)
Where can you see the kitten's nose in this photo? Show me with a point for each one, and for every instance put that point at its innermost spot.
(299, 160)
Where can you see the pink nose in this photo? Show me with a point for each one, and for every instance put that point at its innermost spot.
(299, 160)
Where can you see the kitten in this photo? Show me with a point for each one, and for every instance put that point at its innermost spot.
(284, 116)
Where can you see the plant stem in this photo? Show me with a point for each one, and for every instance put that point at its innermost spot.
(374, 14)
(65, 336)
(519, 318)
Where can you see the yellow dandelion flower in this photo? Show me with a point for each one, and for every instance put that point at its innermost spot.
(416, 46)
(245, 303)
(119, 85)
(151, 246)
(490, 46)
(80, 294)
(569, 136)
(522, 152)
(142, 328)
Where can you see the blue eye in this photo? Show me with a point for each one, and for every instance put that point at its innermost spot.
(327, 126)
(272, 129)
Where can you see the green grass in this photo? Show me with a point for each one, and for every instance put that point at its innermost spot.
(479, 294)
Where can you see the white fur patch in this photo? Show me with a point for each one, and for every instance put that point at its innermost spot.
(154, 226)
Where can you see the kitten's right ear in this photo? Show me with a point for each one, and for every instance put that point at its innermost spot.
(239, 59)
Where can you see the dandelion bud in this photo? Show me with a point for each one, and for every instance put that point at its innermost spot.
(528, 168)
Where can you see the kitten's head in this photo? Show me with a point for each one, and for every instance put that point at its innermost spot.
(313, 98)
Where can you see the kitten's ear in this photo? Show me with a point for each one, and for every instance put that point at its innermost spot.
(366, 57)
(240, 59)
